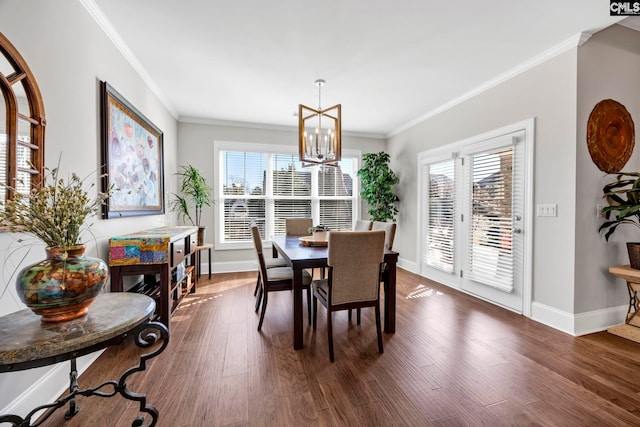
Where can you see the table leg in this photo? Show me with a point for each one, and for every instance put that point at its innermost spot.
(73, 390)
(298, 338)
(198, 266)
(209, 263)
(634, 303)
(390, 299)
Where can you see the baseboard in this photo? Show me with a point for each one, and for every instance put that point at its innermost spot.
(236, 266)
(581, 323)
(231, 267)
(50, 385)
(553, 317)
(408, 265)
(599, 320)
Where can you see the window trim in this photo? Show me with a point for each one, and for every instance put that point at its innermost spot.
(269, 149)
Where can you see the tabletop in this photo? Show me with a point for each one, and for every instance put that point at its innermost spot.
(24, 338)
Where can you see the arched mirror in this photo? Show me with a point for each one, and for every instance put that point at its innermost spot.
(22, 129)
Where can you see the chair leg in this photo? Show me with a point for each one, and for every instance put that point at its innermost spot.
(255, 291)
(330, 333)
(309, 304)
(315, 311)
(259, 298)
(378, 328)
(358, 310)
(264, 308)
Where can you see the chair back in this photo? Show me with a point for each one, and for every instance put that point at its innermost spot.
(257, 242)
(355, 258)
(298, 226)
(362, 225)
(390, 232)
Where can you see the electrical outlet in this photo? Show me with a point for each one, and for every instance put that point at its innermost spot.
(546, 210)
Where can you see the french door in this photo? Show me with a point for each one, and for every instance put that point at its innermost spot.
(492, 220)
(474, 204)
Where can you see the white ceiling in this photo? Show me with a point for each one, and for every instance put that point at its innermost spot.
(389, 63)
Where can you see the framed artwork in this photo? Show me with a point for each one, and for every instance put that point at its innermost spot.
(132, 158)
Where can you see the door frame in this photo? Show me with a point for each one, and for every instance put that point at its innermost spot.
(452, 150)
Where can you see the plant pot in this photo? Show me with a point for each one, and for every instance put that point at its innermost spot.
(202, 231)
(62, 286)
(633, 248)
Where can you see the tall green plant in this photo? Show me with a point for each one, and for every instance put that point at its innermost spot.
(195, 194)
(377, 186)
(623, 196)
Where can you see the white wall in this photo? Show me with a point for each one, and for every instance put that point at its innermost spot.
(608, 68)
(547, 93)
(69, 54)
(196, 148)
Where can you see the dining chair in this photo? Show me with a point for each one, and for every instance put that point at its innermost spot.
(298, 226)
(353, 280)
(390, 233)
(276, 279)
(270, 263)
(362, 225)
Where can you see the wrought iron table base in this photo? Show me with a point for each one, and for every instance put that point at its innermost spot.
(146, 335)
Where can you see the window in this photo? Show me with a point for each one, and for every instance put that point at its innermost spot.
(22, 130)
(266, 184)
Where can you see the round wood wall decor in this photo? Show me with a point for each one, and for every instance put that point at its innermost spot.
(610, 135)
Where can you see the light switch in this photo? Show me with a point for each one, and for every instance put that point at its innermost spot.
(547, 210)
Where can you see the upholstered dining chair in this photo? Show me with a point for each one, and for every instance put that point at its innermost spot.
(276, 279)
(353, 281)
(362, 225)
(298, 226)
(270, 263)
(389, 229)
(390, 233)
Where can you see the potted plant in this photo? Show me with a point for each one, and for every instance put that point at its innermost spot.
(623, 196)
(194, 195)
(319, 232)
(377, 186)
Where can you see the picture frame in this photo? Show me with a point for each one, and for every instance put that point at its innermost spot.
(132, 158)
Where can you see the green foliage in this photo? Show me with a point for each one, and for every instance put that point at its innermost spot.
(623, 196)
(377, 186)
(195, 194)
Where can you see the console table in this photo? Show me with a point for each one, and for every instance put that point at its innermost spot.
(26, 342)
(166, 256)
(631, 328)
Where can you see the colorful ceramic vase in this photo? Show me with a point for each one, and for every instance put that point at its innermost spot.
(62, 287)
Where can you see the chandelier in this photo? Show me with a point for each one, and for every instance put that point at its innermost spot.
(319, 133)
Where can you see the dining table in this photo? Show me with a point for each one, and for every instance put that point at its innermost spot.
(302, 256)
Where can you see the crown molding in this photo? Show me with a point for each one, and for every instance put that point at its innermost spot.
(265, 126)
(96, 13)
(570, 43)
(632, 22)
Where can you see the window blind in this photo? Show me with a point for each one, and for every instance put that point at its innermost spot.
(491, 255)
(440, 242)
(266, 188)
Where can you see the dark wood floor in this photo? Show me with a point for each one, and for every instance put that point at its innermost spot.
(454, 361)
